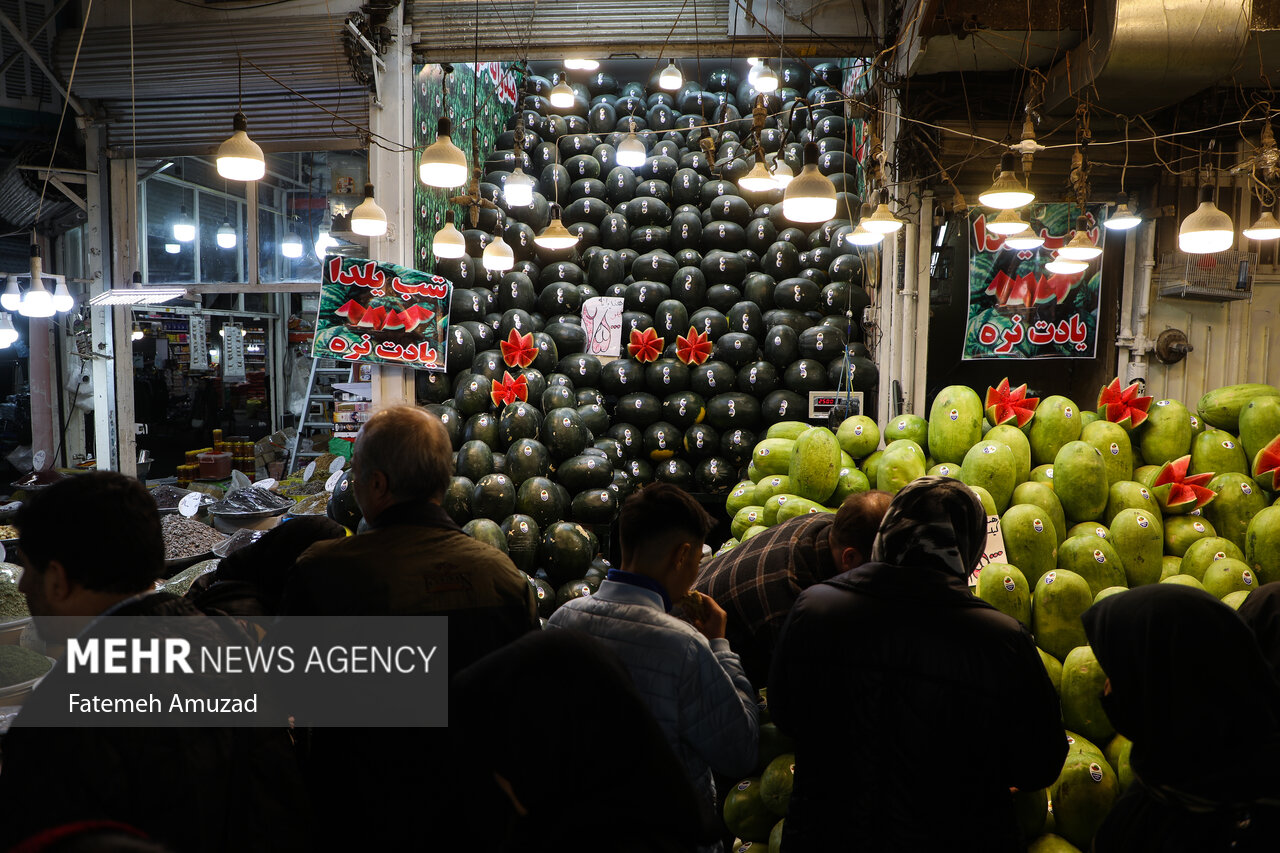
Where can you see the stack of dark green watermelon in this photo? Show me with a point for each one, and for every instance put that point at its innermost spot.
(780, 304)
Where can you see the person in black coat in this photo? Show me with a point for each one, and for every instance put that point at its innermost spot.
(1261, 612)
(595, 773)
(915, 706)
(195, 789)
(1187, 683)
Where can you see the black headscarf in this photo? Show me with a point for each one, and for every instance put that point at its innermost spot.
(1261, 612)
(936, 523)
(1190, 688)
(595, 761)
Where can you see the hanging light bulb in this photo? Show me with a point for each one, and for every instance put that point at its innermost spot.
(172, 248)
(1008, 222)
(12, 296)
(442, 163)
(860, 236)
(498, 256)
(1007, 191)
(1081, 246)
(1024, 241)
(579, 64)
(810, 197)
(62, 301)
(136, 334)
(324, 242)
(368, 219)
(758, 179)
(1265, 228)
(1207, 229)
(1123, 218)
(671, 78)
(782, 174)
(882, 221)
(8, 334)
(1064, 266)
(184, 228)
(518, 190)
(291, 245)
(555, 235)
(766, 79)
(561, 94)
(226, 235)
(240, 158)
(36, 302)
(630, 151)
(448, 242)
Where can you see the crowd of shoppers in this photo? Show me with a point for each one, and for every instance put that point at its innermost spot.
(917, 710)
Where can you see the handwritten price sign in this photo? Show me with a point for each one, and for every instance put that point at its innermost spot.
(382, 313)
(993, 552)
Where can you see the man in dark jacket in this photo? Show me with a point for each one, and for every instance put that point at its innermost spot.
(414, 561)
(194, 789)
(758, 582)
(915, 706)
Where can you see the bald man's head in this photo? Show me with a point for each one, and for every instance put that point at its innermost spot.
(411, 448)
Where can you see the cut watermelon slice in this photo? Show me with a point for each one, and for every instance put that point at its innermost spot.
(1055, 288)
(1006, 404)
(394, 321)
(410, 319)
(1176, 492)
(374, 318)
(352, 311)
(1123, 406)
(1266, 465)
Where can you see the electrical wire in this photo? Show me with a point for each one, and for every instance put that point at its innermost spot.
(62, 118)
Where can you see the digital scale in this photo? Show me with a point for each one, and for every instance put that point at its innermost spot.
(822, 402)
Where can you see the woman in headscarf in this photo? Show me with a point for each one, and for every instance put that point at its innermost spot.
(915, 706)
(1188, 685)
(593, 773)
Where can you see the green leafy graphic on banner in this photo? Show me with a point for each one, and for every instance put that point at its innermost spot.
(1019, 309)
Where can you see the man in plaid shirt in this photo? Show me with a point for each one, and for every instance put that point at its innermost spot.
(757, 582)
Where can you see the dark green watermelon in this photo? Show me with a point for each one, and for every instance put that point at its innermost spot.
(684, 409)
(563, 433)
(452, 422)
(661, 441)
(629, 438)
(733, 410)
(784, 405)
(612, 450)
(483, 427)
(527, 457)
(667, 375)
(539, 499)
(570, 590)
(523, 536)
(759, 379)
(594, 417)
(736, 349)
(736, 445)
(519, 420)
(566, 552)
(675, 471)
(557, 396)
(488, 531)
(595, 506)
(621, 376)
(640, 471)
(584, 472)
(545, 594)
(712, 378)
(494, 497)
(715, 475)
(474, 460)
(581, 368)
(700, 441)
(472, 396)
(640, 408)
(805, 375)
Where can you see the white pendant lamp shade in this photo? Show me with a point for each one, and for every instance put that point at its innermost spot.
(1024, 241)
(498, 256)
(368, 219)
(578, 64)
(671, 78)
(1065, 266)
(1123, 217)
(62, 300)
(36, 302)
(448, 242)
(882, 221)
(860, 236)
(631, 151)
(291, 245)
(226, 236)
(555, 235)
(561, 94)
(172, 248)
(240, 158)
(8, 334)
(442, 163)
(324, 242)
(758, 179)
(1265, 228)
(1007, 223)
(1081, 246)
(766, 79)
(184, 229)
(1207, 229)
(810, 197)
(12, 296)
(518, 190)
(1007, 191)
(782, 174)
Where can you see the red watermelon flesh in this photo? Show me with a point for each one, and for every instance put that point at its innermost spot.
(1266, 464)
(1005, 404)
(1123, 406)
(1177, 492)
